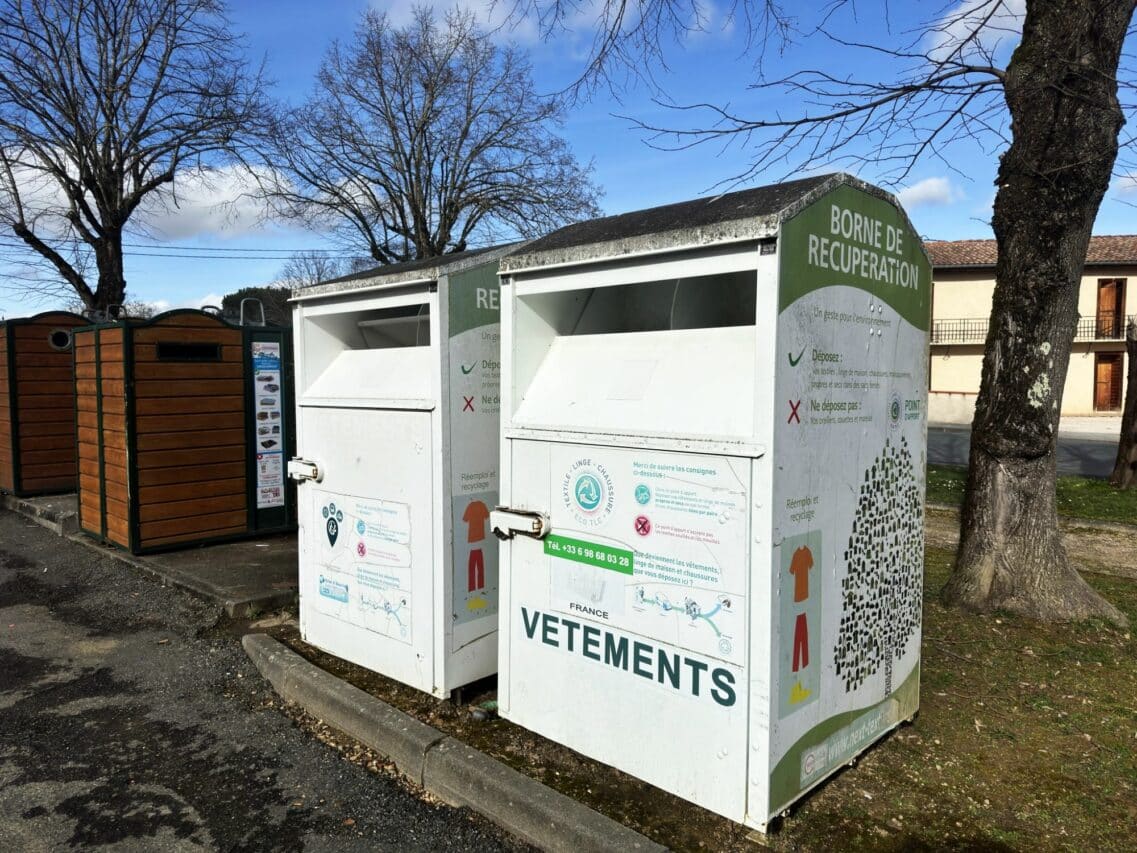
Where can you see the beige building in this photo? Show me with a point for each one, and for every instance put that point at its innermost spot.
(963, 284)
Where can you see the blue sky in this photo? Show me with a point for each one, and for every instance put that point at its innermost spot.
(292, 35)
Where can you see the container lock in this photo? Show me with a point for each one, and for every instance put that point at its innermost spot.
(507, 523)
(301, 470)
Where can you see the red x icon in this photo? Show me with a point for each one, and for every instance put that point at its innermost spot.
(469, 404)
(793, 412)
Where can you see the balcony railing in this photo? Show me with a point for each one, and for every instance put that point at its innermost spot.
(974, 331)
(959, 331)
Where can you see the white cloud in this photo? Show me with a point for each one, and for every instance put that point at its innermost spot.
(216, 202)
(40, 197)
(930, 192)
(977, 27)
(202, 301)
(213, 202)
(510, 22)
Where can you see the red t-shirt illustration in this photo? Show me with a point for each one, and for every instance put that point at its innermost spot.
(800, 565)
(476, 516)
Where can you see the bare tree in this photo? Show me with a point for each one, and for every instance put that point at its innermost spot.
(1124, 474)
(102, 104)
(426, 140)
(135, 309)
(306, 268)
(628, 39)
(1054, 110)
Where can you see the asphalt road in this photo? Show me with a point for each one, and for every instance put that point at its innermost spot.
(127, 720)
(1086, 457)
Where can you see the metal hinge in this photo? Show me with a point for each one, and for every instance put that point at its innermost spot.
(507, 523)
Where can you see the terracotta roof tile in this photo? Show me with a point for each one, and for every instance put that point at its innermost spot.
(1117, 249)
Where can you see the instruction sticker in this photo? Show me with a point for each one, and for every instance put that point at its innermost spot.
(269, 414)
(364, 560)
(652, 543)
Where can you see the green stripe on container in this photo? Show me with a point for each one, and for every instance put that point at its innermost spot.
(591, 554)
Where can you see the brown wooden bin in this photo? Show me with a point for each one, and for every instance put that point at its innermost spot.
(37, 404)
(184, 430)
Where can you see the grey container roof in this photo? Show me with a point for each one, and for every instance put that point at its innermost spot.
(391, 275)
(752, 214)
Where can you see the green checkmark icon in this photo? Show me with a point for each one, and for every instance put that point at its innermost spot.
(466, 370)
(794, 361)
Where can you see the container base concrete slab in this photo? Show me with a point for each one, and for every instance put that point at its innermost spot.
(714, 421)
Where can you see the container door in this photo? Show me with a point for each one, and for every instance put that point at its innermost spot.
(366, 538)
(624, 629)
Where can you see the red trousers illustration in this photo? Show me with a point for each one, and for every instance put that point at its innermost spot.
(477, 570)
(801, 643)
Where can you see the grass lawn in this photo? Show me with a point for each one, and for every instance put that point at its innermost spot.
(1026, 740)
(1078, 497)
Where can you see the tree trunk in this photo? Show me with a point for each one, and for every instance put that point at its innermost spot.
(1061, 90)
(1125, 469)
(111, 290)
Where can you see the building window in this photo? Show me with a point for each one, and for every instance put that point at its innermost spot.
(1111, 308)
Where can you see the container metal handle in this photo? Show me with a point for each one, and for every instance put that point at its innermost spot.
(302, 470)
(507, 523)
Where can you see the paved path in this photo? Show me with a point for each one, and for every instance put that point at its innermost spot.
(126, 720)
(1077, 454)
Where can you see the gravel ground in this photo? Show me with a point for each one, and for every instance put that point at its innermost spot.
(128, 718)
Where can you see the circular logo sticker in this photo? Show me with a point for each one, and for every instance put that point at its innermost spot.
(808, 763)
(587, 492)
(894, 410)
(643, 494)
(643, 525)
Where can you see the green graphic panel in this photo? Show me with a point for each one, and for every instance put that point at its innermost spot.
(834, 741)
(849, 237)
(591, 554)
(474, 299)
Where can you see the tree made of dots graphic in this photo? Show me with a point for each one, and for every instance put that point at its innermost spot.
(883, 586)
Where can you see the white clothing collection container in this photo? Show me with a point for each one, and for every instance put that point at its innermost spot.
(398, 380)
(713, 452)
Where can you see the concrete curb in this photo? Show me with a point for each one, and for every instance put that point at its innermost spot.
(60, 522)
(398, 736)
(449, 769)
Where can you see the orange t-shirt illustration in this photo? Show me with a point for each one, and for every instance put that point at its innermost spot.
(475, 516)
(800, 565)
